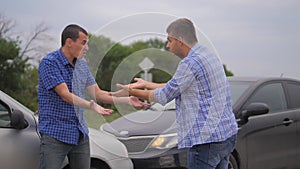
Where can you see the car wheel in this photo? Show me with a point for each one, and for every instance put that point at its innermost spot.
(232, 163)
(99, 165)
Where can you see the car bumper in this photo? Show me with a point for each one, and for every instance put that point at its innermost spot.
(170, 159)
(124, 163)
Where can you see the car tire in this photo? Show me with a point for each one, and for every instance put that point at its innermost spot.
(232, 163)
(95, 164)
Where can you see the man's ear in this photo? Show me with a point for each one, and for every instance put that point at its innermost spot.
(181, 41)
(69, 42)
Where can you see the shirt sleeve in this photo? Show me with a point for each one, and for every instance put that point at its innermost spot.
(181, 80)
(50, 75)
(90, 80)
(82, 78)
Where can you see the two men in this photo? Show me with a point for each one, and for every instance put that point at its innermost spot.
(206, 123)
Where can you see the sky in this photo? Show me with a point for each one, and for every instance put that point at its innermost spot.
(251, 37)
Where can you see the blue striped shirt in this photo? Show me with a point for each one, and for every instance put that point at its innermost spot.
(57, 118)
(203, 102)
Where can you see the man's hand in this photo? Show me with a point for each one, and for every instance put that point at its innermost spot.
(125, 89)
(140, 83)
(99, 109)
(135, 102)
(143, 94)
(119, 93)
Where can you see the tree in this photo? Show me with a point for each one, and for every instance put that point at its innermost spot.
(227, 72)
(28, 94)
(5, 26)
(103, 57)
(18, 76)
(12, 66)
(106, 57)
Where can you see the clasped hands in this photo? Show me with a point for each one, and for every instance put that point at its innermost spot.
(126, 89)
(123, 95)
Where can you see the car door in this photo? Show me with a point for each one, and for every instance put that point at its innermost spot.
(293, 90)
(19, 148)
(270, 137)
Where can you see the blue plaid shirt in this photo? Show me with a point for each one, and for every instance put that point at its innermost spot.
(58, 118)
(203, 103)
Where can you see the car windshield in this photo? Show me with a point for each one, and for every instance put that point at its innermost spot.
(237, 88)
(10, 100)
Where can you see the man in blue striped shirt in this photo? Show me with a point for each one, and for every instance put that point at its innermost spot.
(206, 123)
(64, 77)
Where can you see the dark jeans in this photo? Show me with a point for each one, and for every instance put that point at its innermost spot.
(53, 153)
(211, 155)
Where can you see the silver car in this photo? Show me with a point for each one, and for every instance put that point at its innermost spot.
(20, 141)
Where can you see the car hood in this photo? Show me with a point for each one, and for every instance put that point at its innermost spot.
(143, 122)
(106, 146)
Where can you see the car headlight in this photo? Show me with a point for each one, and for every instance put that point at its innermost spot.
(165, 141)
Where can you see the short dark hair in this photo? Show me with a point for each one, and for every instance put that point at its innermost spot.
(183, 28)
(71, 31)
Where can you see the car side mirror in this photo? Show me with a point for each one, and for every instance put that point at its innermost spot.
(18, 120)
(254, 109)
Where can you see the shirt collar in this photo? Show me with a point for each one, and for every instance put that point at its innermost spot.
(63, 58)
(194, 49)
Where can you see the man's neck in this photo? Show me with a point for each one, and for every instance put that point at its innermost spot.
(68, 56)
(187, 48)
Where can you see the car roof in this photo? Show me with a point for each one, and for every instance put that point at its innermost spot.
(258, 79)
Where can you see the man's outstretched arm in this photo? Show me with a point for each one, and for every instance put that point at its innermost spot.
(143, 94)
(106, 97)
(63, 91)
(139, 84)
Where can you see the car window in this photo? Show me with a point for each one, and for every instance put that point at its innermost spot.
(294, 95)
(4, 116)
(237, 89)
(271, 94)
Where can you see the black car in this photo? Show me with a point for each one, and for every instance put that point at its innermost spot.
(267, 112)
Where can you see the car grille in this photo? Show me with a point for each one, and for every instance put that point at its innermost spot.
(136, 144)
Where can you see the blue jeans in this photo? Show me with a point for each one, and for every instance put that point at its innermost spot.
(211, 155)
(53, 153)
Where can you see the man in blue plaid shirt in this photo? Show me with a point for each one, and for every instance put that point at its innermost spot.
(206, 123)
(64, 76)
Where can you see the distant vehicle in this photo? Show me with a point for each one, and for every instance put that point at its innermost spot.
(20, 141)
(267, 111)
